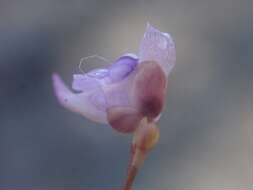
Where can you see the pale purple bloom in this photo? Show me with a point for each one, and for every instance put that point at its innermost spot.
(116, 91)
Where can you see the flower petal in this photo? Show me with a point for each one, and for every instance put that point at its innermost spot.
(89, 105)
(159, 47)
(123, 67)
(84, 83)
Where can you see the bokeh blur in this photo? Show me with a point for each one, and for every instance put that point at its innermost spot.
(206, 129)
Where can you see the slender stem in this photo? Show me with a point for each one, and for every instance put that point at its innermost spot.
(144, 139)
(137, 158)
(132, 172)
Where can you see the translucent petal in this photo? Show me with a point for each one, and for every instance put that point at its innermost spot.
(159, 47)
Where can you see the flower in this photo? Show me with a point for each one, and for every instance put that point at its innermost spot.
(131, 88)
(128, 95)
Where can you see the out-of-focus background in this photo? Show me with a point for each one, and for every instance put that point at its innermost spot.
(207, 127)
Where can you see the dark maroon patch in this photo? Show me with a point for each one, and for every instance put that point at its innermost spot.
(150, 88)
(123, 119)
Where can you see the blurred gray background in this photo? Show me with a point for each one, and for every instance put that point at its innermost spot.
(206, 129)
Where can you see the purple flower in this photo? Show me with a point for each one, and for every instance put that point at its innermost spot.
(131, 88)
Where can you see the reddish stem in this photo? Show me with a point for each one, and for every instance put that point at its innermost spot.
(145, 138)
(132, 172)
(137, 158)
